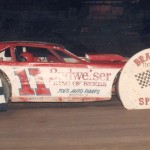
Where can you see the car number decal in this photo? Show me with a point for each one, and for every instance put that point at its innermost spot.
(25, 86)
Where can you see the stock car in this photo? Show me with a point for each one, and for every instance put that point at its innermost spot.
(47, 72)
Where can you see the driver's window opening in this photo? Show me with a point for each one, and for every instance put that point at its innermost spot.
(5, 55)
(34, 54)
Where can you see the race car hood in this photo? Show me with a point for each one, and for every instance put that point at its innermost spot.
(105, 58)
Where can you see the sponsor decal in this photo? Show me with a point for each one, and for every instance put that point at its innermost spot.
(79, 91)
(143, 79)
(63, 82)
(144, 101)
(142, 59)
(134, 82)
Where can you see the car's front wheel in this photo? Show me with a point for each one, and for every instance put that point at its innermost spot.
(5, 92)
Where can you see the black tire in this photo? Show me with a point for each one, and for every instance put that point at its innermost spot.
(116, 86)
(6, 91)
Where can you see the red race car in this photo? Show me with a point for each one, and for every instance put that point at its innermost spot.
(46, 72)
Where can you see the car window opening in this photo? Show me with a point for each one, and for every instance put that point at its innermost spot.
(34, 54)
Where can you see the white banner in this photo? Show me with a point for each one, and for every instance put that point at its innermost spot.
(134, 82)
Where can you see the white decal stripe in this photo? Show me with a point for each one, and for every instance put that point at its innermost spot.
(0, 83)
(2, 98)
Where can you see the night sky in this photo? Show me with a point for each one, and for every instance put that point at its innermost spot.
(53, 4)
(39, 4)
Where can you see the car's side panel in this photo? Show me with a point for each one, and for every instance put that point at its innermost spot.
(60, 83)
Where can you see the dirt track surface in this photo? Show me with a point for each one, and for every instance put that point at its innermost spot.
(86, 126)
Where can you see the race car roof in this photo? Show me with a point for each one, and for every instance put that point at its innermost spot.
(31, 43)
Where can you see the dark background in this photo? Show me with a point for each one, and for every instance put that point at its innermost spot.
(94, 26)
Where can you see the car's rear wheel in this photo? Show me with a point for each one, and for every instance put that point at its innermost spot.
(5, 92)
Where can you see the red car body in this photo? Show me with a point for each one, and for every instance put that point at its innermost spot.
(46, 72)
